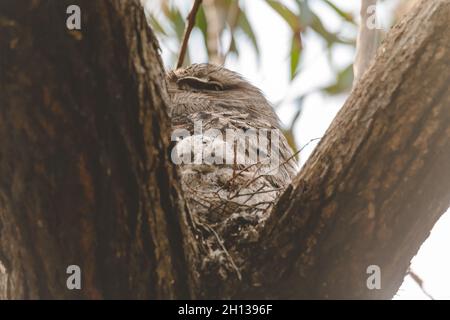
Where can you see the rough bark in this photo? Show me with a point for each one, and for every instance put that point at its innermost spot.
(85, 171)
(86, 178)
(378, 181)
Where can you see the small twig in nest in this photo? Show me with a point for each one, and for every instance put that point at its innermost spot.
(221, 244)
(238, 174)
(187, 31)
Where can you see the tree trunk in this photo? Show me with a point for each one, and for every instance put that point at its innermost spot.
(86, 176)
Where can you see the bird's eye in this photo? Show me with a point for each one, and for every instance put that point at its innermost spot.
(214, 85)
(200, 84)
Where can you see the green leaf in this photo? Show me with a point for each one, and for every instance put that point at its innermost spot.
(156, 25)
(347, 16)
(233, 47)
(299, 105)
(177, 21)
(290, 137)
(245, 26)
(284, 12)
(343, 81)
(330, 37)
(201, 22)
(296, 48)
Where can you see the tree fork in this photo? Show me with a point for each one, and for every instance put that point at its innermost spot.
(86, 177)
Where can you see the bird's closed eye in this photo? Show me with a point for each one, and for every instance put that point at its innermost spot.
(200, 84)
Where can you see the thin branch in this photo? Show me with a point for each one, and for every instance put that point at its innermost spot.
(222, 245)
(419, 282)
(187, 31)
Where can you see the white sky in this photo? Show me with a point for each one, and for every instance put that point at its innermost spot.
(271, 75)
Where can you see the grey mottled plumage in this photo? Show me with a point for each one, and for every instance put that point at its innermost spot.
(229, 200)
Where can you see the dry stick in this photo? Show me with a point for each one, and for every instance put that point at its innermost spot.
(222, 245)
(187, 31)
(253, 179)
(419, 282)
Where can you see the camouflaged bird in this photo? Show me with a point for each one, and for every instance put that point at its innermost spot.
(232, 197)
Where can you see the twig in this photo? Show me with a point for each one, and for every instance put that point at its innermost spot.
(239, 172)
(419, 282)
(187, 31)
(260, 192)
(285, 161)
(222, 245)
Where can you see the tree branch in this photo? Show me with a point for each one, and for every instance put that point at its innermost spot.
(377, 182)
(418, 280)
(187, 31)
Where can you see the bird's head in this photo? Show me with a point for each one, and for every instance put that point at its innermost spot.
(207, 78)
(208, 87)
